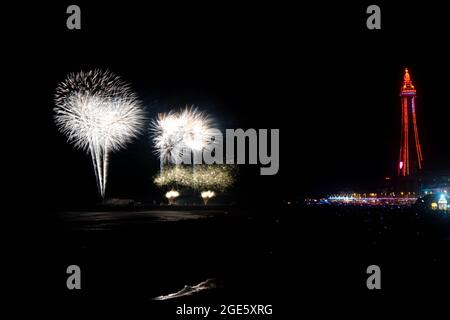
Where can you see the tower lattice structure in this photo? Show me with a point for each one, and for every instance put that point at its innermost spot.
(410, 158)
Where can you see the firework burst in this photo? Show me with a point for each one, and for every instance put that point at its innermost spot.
(98, 113)
(172, 195)
(214, 177)
(206, 195)
(168, 138)
(177, 133)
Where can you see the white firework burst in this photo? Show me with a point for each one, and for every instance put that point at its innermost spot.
(98, 113)
(176, 133)
(168, 137)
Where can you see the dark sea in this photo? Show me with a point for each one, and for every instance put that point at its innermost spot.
(219, 254)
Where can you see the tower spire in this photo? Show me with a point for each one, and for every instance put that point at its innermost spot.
(407, 83)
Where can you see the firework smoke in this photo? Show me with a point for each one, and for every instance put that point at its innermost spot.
(177, 133)
(98, 113)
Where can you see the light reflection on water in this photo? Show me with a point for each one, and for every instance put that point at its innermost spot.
(101, 220)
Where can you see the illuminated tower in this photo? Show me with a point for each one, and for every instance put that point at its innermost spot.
(410, 159)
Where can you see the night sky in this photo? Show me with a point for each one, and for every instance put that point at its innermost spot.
(314, 71)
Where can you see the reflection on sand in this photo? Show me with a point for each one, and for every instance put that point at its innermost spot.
(190, 290)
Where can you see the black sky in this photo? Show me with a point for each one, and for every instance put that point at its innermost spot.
(314, 71)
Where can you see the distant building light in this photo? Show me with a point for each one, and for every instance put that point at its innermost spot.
(442, 203)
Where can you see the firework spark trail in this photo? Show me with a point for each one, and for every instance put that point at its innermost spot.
(177, 133)
(98, 113)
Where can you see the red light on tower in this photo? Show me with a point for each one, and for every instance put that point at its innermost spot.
(410, 159)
